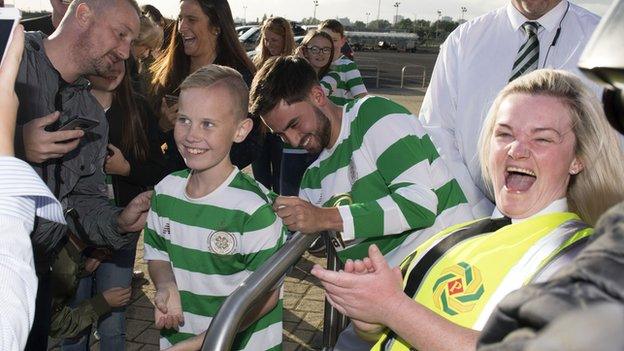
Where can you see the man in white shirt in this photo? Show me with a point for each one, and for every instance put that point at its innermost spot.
(22, 195)
(476, 62)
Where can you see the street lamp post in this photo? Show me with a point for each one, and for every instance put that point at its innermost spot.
(367, 17)
(315, 6)
(438, 23)
(378, 9)
(244, 14)
(463, 11)
(396, 16)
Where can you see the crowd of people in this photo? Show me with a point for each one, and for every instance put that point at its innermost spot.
(468, 226)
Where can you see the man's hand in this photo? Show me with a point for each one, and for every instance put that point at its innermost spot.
(133, 217)
(116, 163)
(371, 297)
(300, 215)
(168, 311)
(117, 297)
(91, 264)
(41, 145)
(8, 98)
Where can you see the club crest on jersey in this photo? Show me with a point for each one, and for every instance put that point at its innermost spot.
(353, 175)
(458, 289)
(222, 243)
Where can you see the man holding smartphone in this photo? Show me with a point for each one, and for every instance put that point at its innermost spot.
(93, 35)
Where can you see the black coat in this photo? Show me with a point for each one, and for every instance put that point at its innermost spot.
(143, 174)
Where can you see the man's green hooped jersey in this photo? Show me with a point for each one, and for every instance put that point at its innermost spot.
(464, 282)
(343, 82)
(214, 243)
(389, 181)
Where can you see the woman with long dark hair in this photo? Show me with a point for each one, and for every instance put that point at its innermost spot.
(205, 35)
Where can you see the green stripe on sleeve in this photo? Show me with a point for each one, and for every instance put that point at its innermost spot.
(405, 153)
(154, 240)
(368, 219)
(417, 216)
(450, 195)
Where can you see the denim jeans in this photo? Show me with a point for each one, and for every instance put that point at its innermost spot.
(116, 272)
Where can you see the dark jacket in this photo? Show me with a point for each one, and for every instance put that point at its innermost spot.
(594, 277)
(143, 174)
(67, 322)
(41, 24)
(77, 179)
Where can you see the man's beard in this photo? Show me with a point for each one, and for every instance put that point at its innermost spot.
(323, 130)
(98, 66)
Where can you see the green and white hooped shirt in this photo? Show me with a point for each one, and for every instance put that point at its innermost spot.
(214, 243)
(343, 82)
(387, 179)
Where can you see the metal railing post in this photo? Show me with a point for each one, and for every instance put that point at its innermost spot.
(402, 75)
(333, 321)
(424, 75)
(224, 326)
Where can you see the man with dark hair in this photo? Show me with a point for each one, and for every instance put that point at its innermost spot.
(93, 35)
(378, 178)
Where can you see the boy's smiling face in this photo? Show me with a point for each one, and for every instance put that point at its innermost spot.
(338, 40)
(206, 126)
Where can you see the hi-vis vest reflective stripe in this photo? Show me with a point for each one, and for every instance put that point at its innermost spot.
(470, 277)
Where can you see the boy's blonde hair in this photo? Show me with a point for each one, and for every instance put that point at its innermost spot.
(229, 78)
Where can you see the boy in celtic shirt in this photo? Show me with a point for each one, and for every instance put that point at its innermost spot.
(211, 226)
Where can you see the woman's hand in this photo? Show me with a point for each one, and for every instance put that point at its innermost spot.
(367, 331)
(369, 291)
(116, 163)
(167, 115)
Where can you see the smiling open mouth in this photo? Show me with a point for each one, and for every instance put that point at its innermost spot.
(188, 40)
(195, 151)
(519, 179)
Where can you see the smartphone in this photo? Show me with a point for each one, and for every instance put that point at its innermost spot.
(9, 18)
(171, 99)
(79, 123)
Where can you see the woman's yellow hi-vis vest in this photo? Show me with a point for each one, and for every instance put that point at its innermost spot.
(465, 282)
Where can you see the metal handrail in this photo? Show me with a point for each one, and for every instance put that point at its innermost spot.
(375, 76)
(333, 321)
(224, 326)
(424, 74)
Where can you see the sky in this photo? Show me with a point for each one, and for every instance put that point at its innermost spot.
(362, 10)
